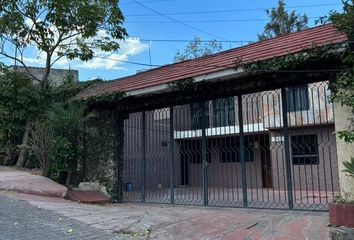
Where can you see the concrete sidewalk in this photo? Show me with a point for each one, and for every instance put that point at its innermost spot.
(24, 182)
(166, 222)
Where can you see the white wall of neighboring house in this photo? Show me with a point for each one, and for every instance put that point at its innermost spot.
(56, 76)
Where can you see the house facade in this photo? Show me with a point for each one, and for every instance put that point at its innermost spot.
(311, 136)
(260, 139)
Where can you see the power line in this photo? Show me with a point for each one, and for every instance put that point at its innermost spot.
(176, 20)
(232, 10)
(152, 1)
(212, 20)
(185, 40)
(129, 62)
(206, 21)
(220, 66)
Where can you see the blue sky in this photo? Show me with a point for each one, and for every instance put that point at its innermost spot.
(142, 24)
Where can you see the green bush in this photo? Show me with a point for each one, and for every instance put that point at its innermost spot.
(63, 159)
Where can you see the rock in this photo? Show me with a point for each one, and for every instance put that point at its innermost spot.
(92, 186)
(341, 233)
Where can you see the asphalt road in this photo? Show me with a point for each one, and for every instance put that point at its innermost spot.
(21, 221)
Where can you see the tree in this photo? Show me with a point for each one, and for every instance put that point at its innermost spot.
(68, 122)
(41, 144)
(19, 103)
(196, 49)
(56, 29)
(59, 28)
(282, 22)
(343, 87)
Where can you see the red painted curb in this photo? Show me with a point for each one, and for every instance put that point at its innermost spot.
(341, 214)
(93, 197)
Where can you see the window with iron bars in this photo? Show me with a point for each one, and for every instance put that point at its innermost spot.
(297, 98)
(304, 149)
(223, 112)
(196, 115)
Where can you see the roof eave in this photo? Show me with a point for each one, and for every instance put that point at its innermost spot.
(222, 75)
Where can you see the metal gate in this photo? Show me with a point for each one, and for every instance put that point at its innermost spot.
(271, 149)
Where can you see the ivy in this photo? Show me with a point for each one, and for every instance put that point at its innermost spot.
(107, 98)
(103, 151)
(343, 87)
(309, 59)
(183, 84)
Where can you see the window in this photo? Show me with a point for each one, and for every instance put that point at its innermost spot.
(196, 115)
(223, 112)
(297, 98)
(230, 151)
(191, 151)
(162, 114)
(304, 149)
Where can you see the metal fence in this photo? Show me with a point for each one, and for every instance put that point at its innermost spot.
(271, 149)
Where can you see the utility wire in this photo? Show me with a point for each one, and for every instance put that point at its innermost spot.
(211, 20)
(177, 21)
(220, 66)
(185, 40)
(232, 10)
(152, 1)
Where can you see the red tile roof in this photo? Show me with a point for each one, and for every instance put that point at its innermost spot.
(274, 47)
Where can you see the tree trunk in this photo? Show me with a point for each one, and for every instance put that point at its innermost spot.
(22, 156)
(68, 178)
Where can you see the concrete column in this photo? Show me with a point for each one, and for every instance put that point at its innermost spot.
(345, 150)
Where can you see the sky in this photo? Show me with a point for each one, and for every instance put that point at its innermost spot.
(149, 21)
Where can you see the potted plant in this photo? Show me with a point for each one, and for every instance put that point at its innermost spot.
(341, 211)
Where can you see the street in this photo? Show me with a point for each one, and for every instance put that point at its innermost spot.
(21, 221)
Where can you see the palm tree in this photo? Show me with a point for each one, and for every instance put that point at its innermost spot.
(349, 167)
(68, 121)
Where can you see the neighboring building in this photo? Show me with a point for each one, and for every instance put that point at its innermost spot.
(251, 140)
(56, 76)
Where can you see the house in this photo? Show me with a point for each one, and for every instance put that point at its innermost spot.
(263, 139)
(56, 76)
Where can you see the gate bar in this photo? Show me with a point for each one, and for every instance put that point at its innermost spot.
(242, 152)
(143, 158)
(204, 154)
(171, 157)
(287, 148)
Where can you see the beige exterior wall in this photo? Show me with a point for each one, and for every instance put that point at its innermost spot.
(320, 108)
(322, 176)
(345, 151)
(227, 174)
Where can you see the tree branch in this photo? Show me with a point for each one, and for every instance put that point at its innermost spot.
(22, 63)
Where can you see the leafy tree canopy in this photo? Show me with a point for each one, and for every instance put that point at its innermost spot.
(196, 49)
(19, 103)
(59, 28)
(343, 87)
(281, 22)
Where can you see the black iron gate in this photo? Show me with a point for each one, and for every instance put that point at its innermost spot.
(271, 149)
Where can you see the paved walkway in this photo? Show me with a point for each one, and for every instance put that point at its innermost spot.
(164, 222)
(24, 182)
(20, 220)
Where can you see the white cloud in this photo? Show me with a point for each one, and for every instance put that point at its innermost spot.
(102, 60)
